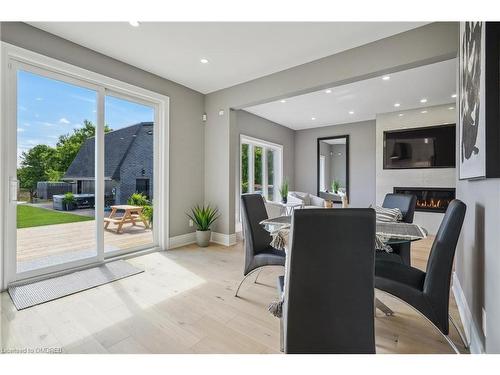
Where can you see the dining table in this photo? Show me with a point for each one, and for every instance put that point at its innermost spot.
(386, 233)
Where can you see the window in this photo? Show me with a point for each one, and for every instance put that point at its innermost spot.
(322, 185)
(142, 186)
(261, 167)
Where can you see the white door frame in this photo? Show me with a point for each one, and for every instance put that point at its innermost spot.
(14, 57)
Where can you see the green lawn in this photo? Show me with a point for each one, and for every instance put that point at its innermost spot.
(29, 216)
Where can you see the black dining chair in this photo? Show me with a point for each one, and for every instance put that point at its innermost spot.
(258, 250)
(328, 306)
(428, 292)
(406, 204)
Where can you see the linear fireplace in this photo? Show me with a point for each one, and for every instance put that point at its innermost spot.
(429, 199)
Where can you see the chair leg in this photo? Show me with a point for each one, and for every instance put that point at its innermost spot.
(460, 333)
(383, 307)
(244, 278)
(450, 342)
(446, 337)
(260, 270)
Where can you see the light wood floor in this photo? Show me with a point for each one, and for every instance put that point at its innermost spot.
(184, 303)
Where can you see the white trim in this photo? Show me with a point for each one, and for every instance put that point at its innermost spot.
(182, 240)
(472, 333)
(16, 55)
(259, 142)
(223, 239)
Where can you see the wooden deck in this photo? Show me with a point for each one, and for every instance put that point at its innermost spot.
(74, 239)
(184, 303)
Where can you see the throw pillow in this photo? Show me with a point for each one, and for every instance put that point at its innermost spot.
(388, 215)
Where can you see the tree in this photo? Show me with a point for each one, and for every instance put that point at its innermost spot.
(46, 163)
(37, 164)
(68, 145)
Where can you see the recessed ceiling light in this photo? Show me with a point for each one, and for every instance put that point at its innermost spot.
(351, 112)
(204, 61)
(423, 112)
(453, 95)
(313, 118)
(282, 101)
(450, 108)
(134, 23)
(396, 104)
(401, 115)
(424, 100)
(328, 91)
(386, 78)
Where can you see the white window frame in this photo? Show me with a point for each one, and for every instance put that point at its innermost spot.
(13, 56)
(278, 166)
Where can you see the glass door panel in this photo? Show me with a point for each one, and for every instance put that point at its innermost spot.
(55, 217)
(244, 168)
(258, 181)
(129, 175)
(271, 185)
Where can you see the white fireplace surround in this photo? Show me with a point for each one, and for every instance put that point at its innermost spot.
(387, 179)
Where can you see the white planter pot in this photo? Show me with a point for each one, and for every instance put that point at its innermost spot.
(203, 238)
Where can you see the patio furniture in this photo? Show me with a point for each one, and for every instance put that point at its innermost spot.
(131, 215)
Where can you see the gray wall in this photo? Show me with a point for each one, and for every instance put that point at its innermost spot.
(246, 123)
(186, 107)
(361, 160)
(430, 43)
(478, 259)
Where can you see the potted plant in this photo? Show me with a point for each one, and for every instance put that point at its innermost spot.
(284, 191)
(69, 202)
(203, 217)
(336, 186)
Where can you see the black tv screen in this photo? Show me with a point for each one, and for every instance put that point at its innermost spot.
(428, 147)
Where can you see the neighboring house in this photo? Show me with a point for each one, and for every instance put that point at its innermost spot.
(128, 164)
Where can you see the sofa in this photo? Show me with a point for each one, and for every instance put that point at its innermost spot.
(306, 199)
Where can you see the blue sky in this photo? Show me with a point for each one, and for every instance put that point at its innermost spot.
(48, 108)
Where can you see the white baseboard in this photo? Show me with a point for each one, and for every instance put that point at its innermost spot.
(182, 240)
(472, 333)
(190, 238)
(224, 239)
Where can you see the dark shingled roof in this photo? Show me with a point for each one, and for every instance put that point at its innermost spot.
(117, 143)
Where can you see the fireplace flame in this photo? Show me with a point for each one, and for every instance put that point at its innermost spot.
(432, 203)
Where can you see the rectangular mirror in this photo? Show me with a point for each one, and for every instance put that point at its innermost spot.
(333, 168)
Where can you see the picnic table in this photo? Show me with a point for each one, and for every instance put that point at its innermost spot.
(131, 214)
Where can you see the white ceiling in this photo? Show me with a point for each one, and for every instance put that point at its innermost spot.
(435, 82)
(237, 52)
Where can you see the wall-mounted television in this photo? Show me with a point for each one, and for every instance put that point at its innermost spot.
(426, 147)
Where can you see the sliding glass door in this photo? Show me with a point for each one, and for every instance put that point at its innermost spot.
(56, 120)
(83, 164)
(128, 174)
